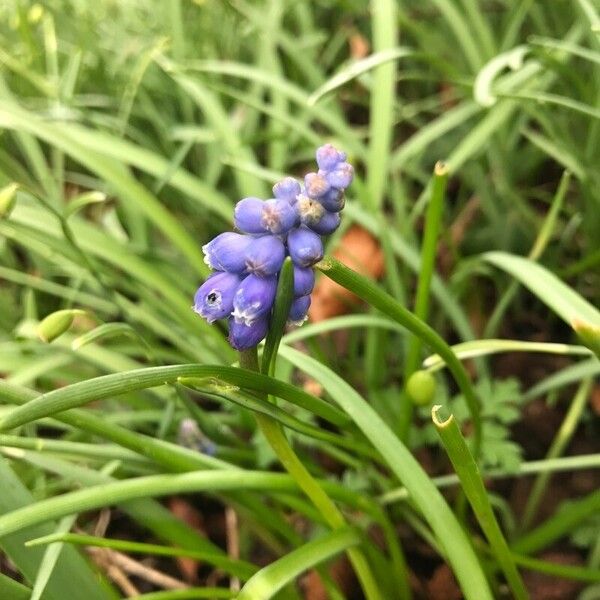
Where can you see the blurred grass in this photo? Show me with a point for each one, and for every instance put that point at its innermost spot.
(170, 112)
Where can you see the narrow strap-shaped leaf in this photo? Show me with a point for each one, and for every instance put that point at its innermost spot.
(106, 386)
(563, 300)
(423, 492)
(474, 489)
(268, 581)
(368, 291)
(281, 309)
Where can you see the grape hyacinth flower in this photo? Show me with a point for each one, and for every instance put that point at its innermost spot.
(246, 265)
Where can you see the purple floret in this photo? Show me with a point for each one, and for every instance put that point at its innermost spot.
(247, 264)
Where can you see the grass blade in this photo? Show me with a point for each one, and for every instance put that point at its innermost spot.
(427, 498)
(356, 69)
(474, 489)
(476, 348)
(268, 581)
(365, 289)
(564, 301)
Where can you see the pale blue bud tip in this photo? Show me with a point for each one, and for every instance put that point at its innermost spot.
(287, 189)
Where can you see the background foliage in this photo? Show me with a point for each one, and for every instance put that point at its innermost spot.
(132, 128)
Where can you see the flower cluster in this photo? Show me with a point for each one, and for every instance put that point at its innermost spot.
(246, 264)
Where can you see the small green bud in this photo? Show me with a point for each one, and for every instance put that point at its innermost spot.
(35, 14)
(8, 196)
(421, 387)
(588, 333)
(56, 323)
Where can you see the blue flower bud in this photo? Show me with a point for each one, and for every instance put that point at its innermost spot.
(265, 256)
(254, 298)
(242, 336)
(287, 189)
(328, 157)
(253, 215)
(299, 310)
(334, 200)
(327, 224)
(341, 177)
(316, 185)
(226, 252)
(214, 298)
(304, 281)
(309, 210)
(305, 247)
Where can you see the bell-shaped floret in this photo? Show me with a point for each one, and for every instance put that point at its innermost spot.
(305, 247)
(304, 281)
(327, 224)
(214, 298)
(287, 189)
(254, 298)
(328, 157)
(316, 185)
(265, 256)
(227, 252)
(252, 215)
(243, 337)
(334, 200)
(341, 177)
(299, 310)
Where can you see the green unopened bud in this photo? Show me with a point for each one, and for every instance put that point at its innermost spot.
(56, 323)
(35, 14)
(421, 387)
(8, 197)
(588, 333)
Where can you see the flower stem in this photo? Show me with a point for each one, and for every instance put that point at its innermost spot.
(293, 465)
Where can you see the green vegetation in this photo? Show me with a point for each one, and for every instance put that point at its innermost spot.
(129, 130)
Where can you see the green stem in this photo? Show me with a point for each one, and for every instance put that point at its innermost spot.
(563, 436)
(365, 289)
(433, 221)
(474, 489)
(293, 465)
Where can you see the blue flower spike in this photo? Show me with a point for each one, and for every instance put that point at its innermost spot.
(247, 265)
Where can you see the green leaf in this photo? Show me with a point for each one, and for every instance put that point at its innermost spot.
(13, 117)
(239, 568)
(563, 300)
(474, 489)
(83, 200)
(71, 576)
(13, 590)
(425, 495)
(283, 302)
(356, 69)
(268, 581)
(476, 348)
(98, 388)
